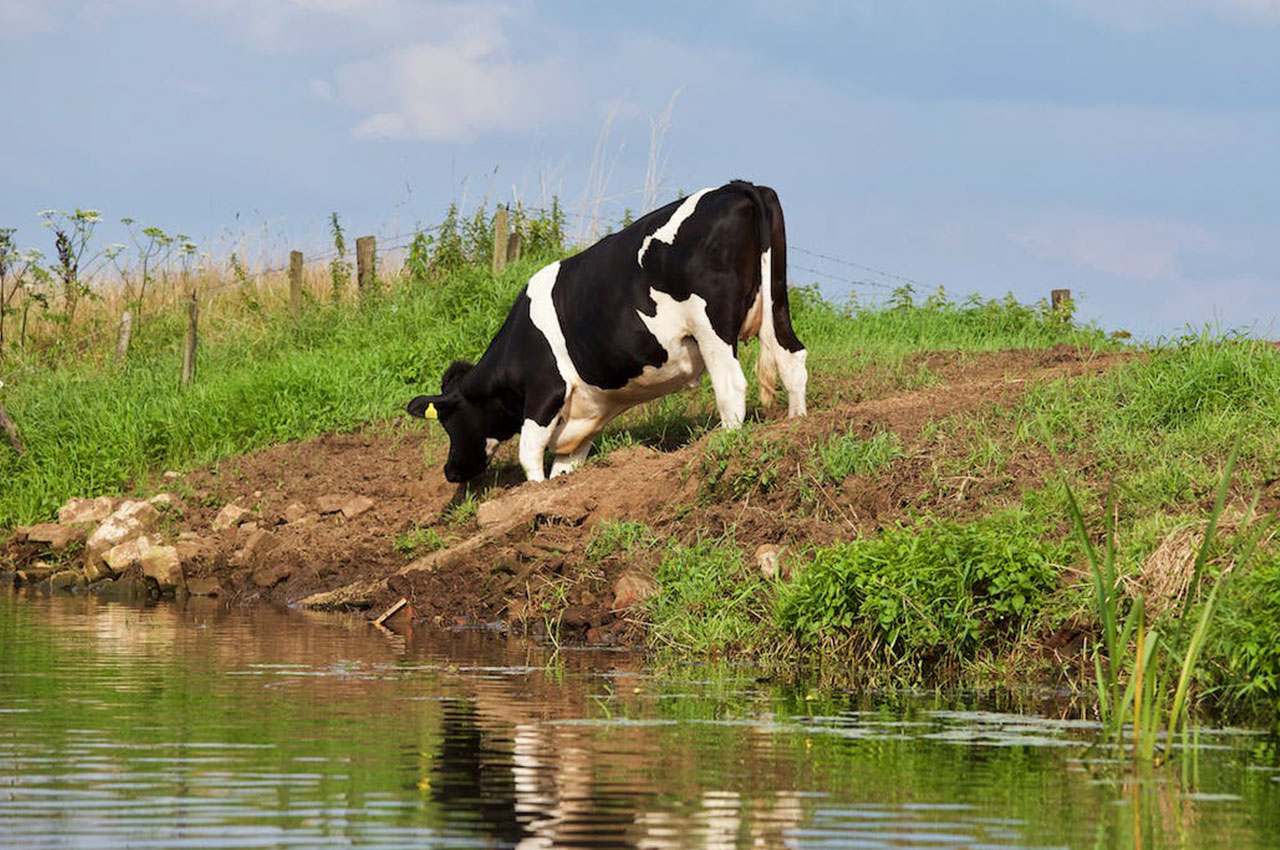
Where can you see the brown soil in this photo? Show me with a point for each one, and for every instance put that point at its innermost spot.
(521, 558)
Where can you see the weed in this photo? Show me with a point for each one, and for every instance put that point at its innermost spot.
(462, 511)
(623, 537)
(848, 454)
(925, 594)
(418, 538)
(712, 600)
(737, 463)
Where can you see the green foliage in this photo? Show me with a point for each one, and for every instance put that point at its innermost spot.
(623, 537)
(711, 600)
(848, 454)
(339, 266)
(739, 462)
(924, 593)
(1245, 651)
(417, 538)
(463, 511)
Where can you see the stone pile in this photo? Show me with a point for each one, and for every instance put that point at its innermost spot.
(115, 537)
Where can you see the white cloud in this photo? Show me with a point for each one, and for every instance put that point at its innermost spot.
(449, 89)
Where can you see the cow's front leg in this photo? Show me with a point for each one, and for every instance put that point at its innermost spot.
(571, 461)
(727, 380)
(534, 439)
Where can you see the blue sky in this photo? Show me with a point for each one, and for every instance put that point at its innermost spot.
(1126, 149)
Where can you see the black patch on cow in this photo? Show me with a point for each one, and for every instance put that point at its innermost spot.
(598, 293)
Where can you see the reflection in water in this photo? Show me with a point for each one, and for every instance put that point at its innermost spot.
(201, 727)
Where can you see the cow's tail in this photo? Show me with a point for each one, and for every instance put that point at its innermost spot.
(781, 352)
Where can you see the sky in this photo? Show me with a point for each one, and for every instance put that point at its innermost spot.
(1128, 150)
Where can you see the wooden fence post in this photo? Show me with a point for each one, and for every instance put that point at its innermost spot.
(513, 247)
(11, 431)
(126, 333)
(500, 236)
(189, 350)
(366, 278)
(295, 285)
(1060, 299)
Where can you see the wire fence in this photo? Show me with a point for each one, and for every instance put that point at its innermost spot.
(389, 245)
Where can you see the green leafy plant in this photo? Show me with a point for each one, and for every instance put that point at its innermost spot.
(924, 594)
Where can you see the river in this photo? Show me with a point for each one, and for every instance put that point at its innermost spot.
(196, 726)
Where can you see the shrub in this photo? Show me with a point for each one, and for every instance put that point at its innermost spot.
(923, 593)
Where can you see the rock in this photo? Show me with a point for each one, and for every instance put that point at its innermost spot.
(170, 475)
(356, 506)
(189, 535)
(295, 512)
(96, 570)
(272, 574)
(129, 554)
(65, 580)
(130, 520)
(631, 589)
(331, 504)
(85, 510)
(230, 515)
(130, 588)
(203, 587)
(58, 536)
(39, 571)
(163, 501)
(244, 531)
(260, 543)
(163, 564)
(767, 557)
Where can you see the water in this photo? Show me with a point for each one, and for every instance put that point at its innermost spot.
(174, 727)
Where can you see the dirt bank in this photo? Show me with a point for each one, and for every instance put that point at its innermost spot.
(365, 519)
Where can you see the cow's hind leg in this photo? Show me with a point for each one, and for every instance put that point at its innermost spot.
(563, 463)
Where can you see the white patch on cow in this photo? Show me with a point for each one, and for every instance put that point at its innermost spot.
(667, 233)
(542, 312)
(490, 446)
(563, 463)
(533, 443)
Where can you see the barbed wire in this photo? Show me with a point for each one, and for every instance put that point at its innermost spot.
(400, 241)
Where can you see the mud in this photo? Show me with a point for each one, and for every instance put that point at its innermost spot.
(519, 558)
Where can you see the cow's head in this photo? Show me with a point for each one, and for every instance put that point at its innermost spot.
(471, 423)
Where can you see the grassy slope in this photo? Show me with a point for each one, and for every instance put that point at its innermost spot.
(924, 597)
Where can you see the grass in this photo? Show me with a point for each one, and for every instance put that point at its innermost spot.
(920, 597)
(847, 454)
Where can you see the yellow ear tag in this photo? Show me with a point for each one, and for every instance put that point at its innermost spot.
(430, 412)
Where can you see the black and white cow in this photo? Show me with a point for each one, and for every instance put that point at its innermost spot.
(640, 314)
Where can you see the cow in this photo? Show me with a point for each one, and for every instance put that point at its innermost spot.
(638, 315)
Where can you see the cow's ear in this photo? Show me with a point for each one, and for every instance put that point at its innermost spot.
(456, 371)
(430, 406)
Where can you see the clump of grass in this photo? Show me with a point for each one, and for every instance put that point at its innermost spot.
(1140, 668)
(712, 600)
(416, 538)
(462, 511)
(739, 462)
(623, 537)
(923, 596)
(848, 454)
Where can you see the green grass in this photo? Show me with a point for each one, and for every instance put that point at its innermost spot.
(848, 454)
(924, 595)
(712, 599)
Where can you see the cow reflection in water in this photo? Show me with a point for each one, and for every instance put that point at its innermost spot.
(526, 783)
